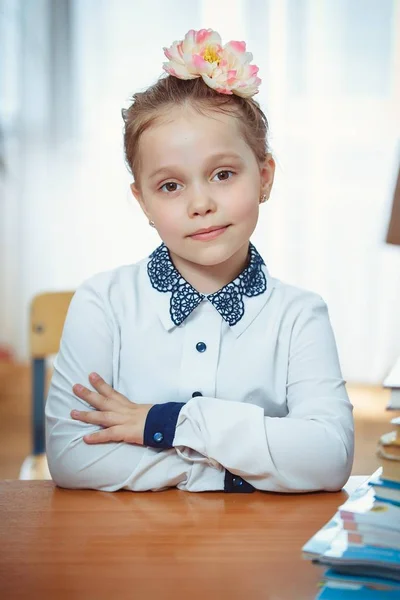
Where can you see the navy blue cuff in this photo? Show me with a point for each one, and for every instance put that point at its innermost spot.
(159, 429)
(236, 485)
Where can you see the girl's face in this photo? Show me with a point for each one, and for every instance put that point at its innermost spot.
(197, 172)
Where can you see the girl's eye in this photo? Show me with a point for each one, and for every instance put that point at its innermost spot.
(223, 175)
(170, 186)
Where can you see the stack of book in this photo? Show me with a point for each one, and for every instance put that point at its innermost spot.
(392, 382)
(360, 545)
(389, 452)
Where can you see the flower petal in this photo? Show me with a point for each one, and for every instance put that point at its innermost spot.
(253, 70)
(177, 70)
(174, 52)
(202, 66)
(222, 90)
(237, 47)
(208, 37)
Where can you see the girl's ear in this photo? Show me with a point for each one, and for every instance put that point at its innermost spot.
(267, 173)
(137, 194)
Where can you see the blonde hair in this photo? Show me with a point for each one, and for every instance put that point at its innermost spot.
(170, 91)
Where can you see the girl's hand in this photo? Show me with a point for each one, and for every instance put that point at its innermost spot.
(123, 421)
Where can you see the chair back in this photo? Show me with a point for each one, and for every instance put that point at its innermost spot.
(47, 316)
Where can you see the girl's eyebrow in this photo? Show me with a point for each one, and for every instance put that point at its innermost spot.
(219, 156)
(225, 155)
(167, 169)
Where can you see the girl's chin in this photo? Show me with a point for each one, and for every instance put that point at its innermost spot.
(210, 255)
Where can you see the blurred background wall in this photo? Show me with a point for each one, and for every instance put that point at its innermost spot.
(331, 91)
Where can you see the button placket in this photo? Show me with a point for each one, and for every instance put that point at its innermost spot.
(200, 352)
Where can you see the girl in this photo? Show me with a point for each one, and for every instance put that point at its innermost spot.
(205, 372)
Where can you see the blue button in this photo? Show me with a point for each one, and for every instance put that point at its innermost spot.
(237, 481)
(158, 437)
(201, 347)
(196, 394)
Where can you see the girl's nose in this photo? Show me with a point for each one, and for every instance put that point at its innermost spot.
(201, 203)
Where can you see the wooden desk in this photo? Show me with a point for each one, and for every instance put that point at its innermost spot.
(172, 545)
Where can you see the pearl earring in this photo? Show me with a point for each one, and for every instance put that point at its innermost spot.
(263, 198)
(152, 224)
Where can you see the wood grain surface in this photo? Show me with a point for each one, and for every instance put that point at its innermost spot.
(70, 544)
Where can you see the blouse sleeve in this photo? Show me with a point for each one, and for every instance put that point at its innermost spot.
(309, 449)
(86, 346)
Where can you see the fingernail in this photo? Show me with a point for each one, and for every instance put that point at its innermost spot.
(74, 413)
(94, 376)
(79, 387)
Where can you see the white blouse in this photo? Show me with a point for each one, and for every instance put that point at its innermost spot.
(273, 408)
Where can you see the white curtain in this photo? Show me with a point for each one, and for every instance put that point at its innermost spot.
(331, 91)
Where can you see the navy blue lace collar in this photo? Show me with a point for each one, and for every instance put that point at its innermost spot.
(228, 301)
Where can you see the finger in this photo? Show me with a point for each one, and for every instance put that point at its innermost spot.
(102, 387)
(97, 417)
(111, 434)
(92, 398)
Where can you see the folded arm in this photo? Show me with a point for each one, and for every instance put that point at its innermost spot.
(86, 346)
(309, 449)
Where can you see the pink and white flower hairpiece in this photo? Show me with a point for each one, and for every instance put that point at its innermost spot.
(226, 69)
